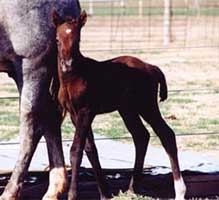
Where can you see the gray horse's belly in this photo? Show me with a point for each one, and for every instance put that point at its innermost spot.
(27, 24)
(5, 43)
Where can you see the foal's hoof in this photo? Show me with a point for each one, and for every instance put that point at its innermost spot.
(136, 187)
(105, 198)
(180, 189)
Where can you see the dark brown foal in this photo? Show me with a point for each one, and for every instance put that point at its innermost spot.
(126, 84)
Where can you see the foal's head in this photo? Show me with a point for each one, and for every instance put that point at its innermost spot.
(68, 38)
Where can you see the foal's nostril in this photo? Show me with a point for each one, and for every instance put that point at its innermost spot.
(62, 62)
(66, 65)
(69, 62)
(66, 62)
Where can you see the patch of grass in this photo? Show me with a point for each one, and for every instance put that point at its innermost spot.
(131, 196)
(191, 83)
(155, 52)
(212, 142)
(181, 100)
(208, 124)
(9, 89)
(194, 12)
(68, 129)
(8, 134)
(113, 132)
(9, 118)
(194, 144)
(110, 125)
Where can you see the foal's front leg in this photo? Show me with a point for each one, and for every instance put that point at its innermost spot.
(83, 123)
(92, 154)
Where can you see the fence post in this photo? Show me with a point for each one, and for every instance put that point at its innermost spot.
(91, 10)
(140, 8)
(167, 23)
(197, 6)
(122, 3)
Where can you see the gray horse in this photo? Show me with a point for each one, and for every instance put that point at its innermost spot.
(27, 46)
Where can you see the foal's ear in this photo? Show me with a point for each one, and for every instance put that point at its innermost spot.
(83, 18)
(55, 18)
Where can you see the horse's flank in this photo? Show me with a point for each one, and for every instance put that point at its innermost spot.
(26, 22)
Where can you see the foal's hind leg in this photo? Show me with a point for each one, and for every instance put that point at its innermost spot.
(168, 140)
(141, 138)
(92, 154)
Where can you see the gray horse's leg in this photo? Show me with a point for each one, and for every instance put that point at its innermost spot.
(33, 109)
(58, 174)
(30, 131)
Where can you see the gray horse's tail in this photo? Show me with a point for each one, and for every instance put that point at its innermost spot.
(163, 93)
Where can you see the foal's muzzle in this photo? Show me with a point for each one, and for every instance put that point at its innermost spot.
(66, 65)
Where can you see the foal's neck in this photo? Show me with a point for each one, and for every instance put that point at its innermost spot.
(76, 53)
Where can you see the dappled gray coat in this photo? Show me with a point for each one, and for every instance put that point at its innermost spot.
(27, 43)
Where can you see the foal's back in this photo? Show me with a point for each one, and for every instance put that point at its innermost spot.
(110, 72)
(109, 85)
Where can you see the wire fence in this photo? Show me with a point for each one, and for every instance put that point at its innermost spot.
(194, 91)
(122, 138)
(200, 91)
(133, 25)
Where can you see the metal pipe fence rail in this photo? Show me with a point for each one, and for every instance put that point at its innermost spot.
(198, 90)
(122, 138)
(172, 92)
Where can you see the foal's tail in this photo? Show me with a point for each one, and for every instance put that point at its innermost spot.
(163, 93)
